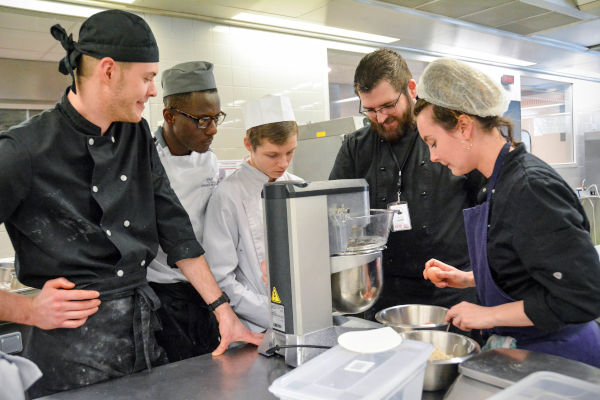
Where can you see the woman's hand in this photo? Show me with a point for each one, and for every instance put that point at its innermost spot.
(468, 316)
(443, 275)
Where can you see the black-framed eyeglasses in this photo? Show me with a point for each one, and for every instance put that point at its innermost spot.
(372, 112)
(203, 122)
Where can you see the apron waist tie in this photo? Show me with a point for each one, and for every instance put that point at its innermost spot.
(146, 302)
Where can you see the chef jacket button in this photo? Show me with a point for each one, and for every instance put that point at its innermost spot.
(382, 168)
(95, 189)
(493, 191)
(123, 178)
(422, 162)
(384, 198)
(143, 263)
(126, 223)
(120, 273)
(424, 227)
(423, 193)
(557, 275)
(91, 142)
(108, 232)
(489, 226)
(484, 190)
(112, 138)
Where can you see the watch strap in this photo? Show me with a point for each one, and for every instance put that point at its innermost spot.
(222, 299)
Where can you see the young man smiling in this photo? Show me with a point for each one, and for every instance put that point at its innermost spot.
(86, 202)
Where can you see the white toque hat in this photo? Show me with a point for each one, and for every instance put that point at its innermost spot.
(267, 110)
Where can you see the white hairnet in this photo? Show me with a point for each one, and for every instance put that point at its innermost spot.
(455, 85)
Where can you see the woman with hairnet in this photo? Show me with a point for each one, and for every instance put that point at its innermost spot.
(535, 268)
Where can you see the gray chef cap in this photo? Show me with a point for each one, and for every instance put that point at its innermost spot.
(194, 76)
(455, 85)
(117, 34)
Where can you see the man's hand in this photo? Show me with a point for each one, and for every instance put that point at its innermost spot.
(60, 306)
(232, 330)
(443, 275)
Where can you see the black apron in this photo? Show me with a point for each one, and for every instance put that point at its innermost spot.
(117, 340)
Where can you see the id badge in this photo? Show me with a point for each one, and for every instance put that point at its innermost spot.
(401, 220)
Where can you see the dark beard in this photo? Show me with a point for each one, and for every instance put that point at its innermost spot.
(405, 124)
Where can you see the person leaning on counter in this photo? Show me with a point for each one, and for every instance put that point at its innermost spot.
(535, 268)
(192, 111)
(234, 229)
(427, 191)
(86, 202)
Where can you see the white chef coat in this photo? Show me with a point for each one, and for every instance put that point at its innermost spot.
(17, 374)
(235, 245)
(193, 178)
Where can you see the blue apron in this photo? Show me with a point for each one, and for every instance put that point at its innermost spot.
(579, 342)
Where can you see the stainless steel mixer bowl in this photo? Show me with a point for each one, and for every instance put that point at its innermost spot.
(439, 374)
(355, 290)
(8, 277)
(408, 317)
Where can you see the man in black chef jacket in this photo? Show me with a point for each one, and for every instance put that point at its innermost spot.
(86, 202)
(395, 162)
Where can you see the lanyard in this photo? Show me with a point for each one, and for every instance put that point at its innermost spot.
(401, 167)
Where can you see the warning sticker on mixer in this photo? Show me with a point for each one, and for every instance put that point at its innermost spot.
(278, 316)
(275, 296)
(359, 366)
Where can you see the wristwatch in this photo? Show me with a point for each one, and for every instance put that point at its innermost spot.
(224, 298)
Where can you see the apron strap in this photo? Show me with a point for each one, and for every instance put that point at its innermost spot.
(497, 168)
(146, 302)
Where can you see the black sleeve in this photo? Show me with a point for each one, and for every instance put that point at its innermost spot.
(15, 175)
(343, 168)
(175, 233)
(552, 241)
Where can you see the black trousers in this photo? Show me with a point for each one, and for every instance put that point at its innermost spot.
(117, 340)
(189, 328)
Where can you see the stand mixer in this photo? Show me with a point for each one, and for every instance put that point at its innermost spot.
(323, 247)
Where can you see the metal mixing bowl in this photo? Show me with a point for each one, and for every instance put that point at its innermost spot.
(8, 277)
(408, 317)
(356, 289)
(439, 374)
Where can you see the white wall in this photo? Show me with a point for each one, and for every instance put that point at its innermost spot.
(248, 65)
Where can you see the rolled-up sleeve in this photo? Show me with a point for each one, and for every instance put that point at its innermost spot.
(15, 175)
(557, 251)
(175, 232)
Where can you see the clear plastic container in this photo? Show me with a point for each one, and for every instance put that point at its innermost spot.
(359, 234)
(342, 374)
(545, 385)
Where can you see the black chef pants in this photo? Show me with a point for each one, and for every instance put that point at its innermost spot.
(117, 340)
(189, 328)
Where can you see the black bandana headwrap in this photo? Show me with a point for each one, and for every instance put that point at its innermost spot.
(117, 34)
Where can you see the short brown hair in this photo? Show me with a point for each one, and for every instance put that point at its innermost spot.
(448, 118)
(378, 65)
(86, 65)
(277, 133)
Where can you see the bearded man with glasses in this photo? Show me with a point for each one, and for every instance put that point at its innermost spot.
(389, 154)
(191, 114)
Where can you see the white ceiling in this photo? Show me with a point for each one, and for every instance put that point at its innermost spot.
(554, 34)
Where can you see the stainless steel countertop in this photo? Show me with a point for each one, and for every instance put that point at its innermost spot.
(240, 373)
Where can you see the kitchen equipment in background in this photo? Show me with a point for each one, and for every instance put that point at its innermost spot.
(342, 374)
(549, 385)
(318, 145)
(408, 317)
(323, 248)
(590, 201)
(488, 372)
(439, 374)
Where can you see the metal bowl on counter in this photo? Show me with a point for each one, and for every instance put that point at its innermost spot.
(450, 349)
(356, 282)
(408, 317)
